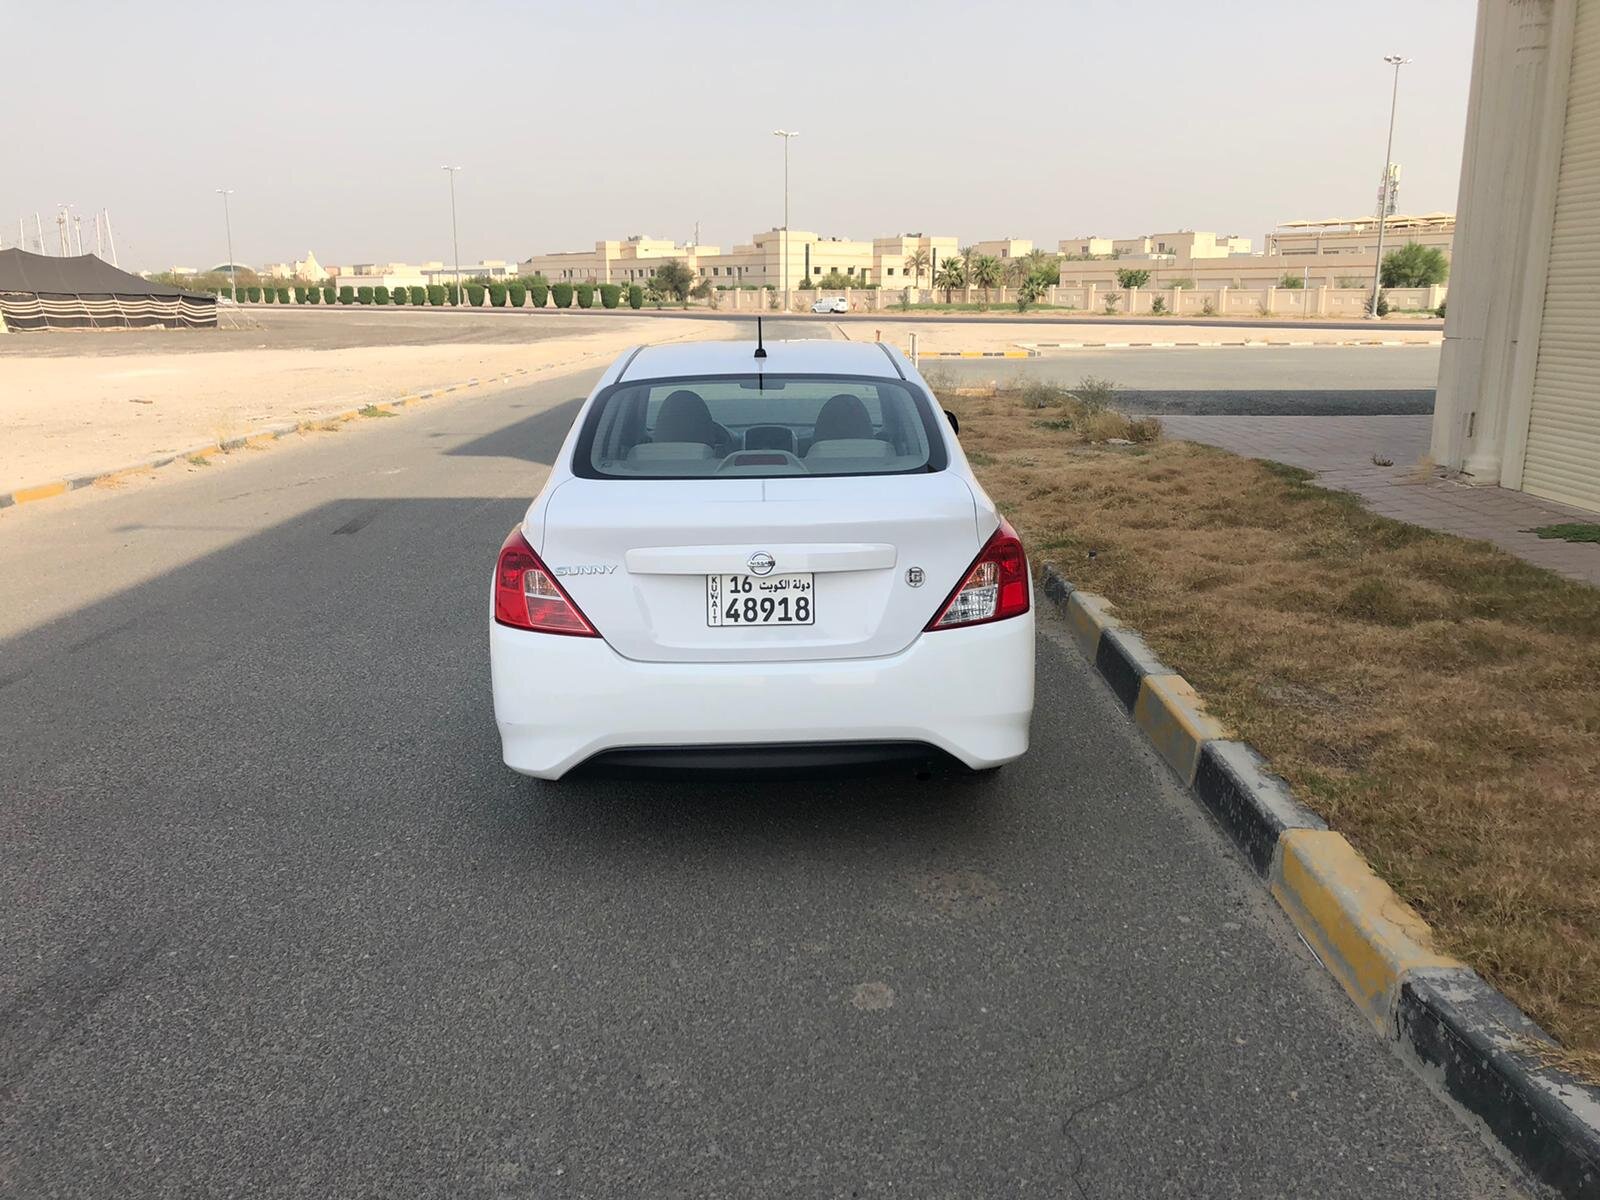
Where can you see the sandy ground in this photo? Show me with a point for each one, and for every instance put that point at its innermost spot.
(106, 407)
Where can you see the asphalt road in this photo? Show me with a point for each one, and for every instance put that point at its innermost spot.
(278, 923)
(1228, 381)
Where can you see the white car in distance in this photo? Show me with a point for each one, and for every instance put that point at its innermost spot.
(831, 304)
(749, 556)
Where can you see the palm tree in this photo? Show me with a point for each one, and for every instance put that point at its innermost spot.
(952, 275)
(986, 273)
(916, 263)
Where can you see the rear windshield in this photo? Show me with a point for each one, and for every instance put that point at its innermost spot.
(758, 426)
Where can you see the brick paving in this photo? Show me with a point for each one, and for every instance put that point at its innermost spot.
(1342, 449)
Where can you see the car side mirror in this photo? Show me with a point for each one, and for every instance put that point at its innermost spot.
(955, 425)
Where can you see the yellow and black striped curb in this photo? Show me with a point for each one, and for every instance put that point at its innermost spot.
(256, 437)
(1026, 353)
(1470, 1037)
(1215, 345)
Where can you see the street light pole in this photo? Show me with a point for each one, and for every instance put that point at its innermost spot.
(1396, 61)
(455, 245)
(787, 135)
(227, 221)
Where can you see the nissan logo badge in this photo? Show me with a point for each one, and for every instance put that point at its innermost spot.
(761, 563)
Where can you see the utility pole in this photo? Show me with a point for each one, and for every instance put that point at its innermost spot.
(77, 229)
(787, 135)
(455, 245)
(111, 241)
(38, 231)
(99, 245)
(61, 231)
(227, 222)
(1396, 61)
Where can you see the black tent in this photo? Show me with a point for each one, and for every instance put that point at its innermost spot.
(38, 291)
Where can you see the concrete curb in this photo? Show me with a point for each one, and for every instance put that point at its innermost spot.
(262, 436)
(1466, 1035)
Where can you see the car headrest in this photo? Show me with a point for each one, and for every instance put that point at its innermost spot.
(843, 416)
(684, 417)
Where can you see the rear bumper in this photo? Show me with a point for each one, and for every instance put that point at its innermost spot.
(560, 701)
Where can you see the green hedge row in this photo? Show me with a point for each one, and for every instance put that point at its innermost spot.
(513, 293)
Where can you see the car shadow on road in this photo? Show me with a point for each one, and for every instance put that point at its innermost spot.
(534, 439)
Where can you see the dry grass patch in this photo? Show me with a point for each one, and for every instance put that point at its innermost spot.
(1437, 700)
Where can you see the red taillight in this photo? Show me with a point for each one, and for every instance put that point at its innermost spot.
(526, 595)
(995, 586)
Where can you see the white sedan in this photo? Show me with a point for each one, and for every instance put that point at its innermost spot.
(831, 304)
(741, 560)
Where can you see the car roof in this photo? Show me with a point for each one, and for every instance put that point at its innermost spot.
(803, 357)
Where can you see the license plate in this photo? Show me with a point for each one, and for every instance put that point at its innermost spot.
(747, 600)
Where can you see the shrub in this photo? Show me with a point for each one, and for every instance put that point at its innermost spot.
(269, 295)
(283, 295)
(1183, 281)
(539, 293)
(364, 294)
(347, 294)
(805, 284)
(610, 294)
(1112, 299)
(380, 294)
(1158, 306)
(586, 295)
(314, 295)
(518, 293)
(497, 295)
(1292, 281)
(1094, 393)
(419, 295)
(1208, 309)
(1383, 305)
(635, 296)
(1415, 265)
(253, 294)
(452, 294)
(563, 295)
(1130, 277)
(436, 294)
(328, 294)
(1439, 312)
(398, 295)
(475, 293)
(299, 295)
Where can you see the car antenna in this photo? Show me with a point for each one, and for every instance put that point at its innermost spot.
(761, 350)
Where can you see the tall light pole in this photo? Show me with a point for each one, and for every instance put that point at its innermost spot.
(455, 245)
(787, 135)
(1396, 61)
(233, 267)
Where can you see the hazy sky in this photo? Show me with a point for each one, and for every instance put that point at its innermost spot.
(577, 121)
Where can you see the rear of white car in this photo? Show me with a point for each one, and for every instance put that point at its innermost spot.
(761, 560)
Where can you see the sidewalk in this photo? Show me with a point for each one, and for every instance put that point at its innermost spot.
(1341, 450)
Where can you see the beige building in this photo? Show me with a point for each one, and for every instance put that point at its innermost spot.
(630, 260)
(1359, 235)
(761, 262)
(1086, 247)
(889, 255)
(304, 269)
(1519, 378)
(1004, 247)
(1186, 244)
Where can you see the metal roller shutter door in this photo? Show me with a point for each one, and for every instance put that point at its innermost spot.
(1563, 456)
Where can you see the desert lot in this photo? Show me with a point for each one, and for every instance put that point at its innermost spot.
(80, 403)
